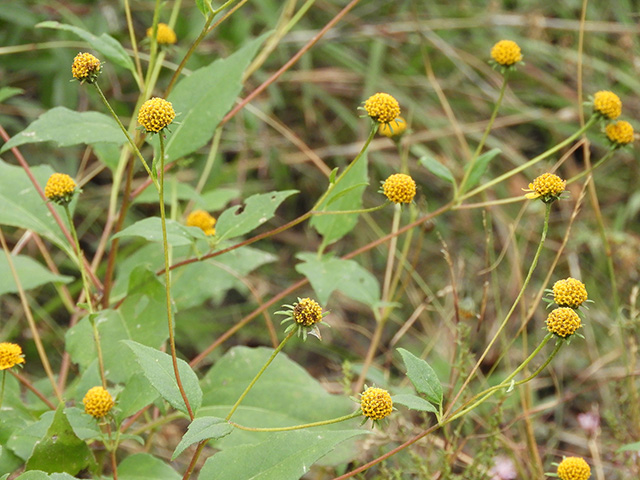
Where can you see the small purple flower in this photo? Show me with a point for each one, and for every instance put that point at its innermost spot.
(589, 422)
(503, 469)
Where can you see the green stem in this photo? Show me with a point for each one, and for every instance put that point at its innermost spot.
(588, 171)
(507, 382)
(165, 244)
(344, 212)
(87, 294)
(494, 114)
(515, 303)
(531, 162)
(259, 374)
(126, 134)
(357, 413)
(4, 377)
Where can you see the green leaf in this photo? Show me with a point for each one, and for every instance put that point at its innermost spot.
(237, 220)
(137, 394)
(60, 450)
(202, 428)
(203, 98)
(8, 92)
(345, 196)
(67, 127)
(158, 368)
(629, 447)
(279, 456)
(210, 279)
(109, 154)
(437, 168)
(422, 376)
(30, 273)
(142, 317)
(105, 44)
(414, 402)
(480, 166)
(204, 6)
(23, 207)
(40, 475)
(328, 274)
(151, 229)
(142, 466)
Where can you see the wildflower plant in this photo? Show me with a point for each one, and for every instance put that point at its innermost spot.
(106, 286)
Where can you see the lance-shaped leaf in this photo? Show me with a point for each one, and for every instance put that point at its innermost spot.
(422, 376)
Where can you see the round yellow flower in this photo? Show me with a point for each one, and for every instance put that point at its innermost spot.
(574, 468)
(166, 35)
(307, 312)
(202, 219)
(376, 403)
(607, 104)
(547, 187)
(619, 133)
(10, 355)
(394, 128)
(60, 188)
(156, 114)
(382, 107)
(563, 321)
(85, 67)
(97, 402)
(506, 53)
(399, 188)
(569, 293)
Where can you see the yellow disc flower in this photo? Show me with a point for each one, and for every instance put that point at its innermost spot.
(619, 133)
(376, 403)
(399, 188)
(202, 219)
(506, 53)
(382, 108)
(60, 188)
(563, 321)
(394, 128)
(156, 114)
(548, 187)
(97, 402)
(569, 293)
(85, 67)
(574, 468)
(307, 312)
(166, 35)
(607, 104)
(10, 355)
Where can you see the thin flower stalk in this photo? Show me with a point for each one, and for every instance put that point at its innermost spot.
(355, 414)
(165, 245)
(534, 263)
(588, 171)
(480, 146)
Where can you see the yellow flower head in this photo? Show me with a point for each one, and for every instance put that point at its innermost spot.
(563, 321)
(619, 133)
(60, 188)
(376, 403)
(506, 53)
(607, 104)
(202, 219)
(166, 35)
(307, 312)
(97, 402)
(156, 114)
(85, 67)
(399, 188)
(10, 355)
(569, 293)
(394, 128)
(548, 187)
(382, 108)
(573, 468)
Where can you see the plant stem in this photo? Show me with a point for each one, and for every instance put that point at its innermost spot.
(590, 170)
(87, 294)
(357, 413)
(513, 307)
(4, 377)
(259, 374)
(476, 154)
(165, 244)
(531, 162)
